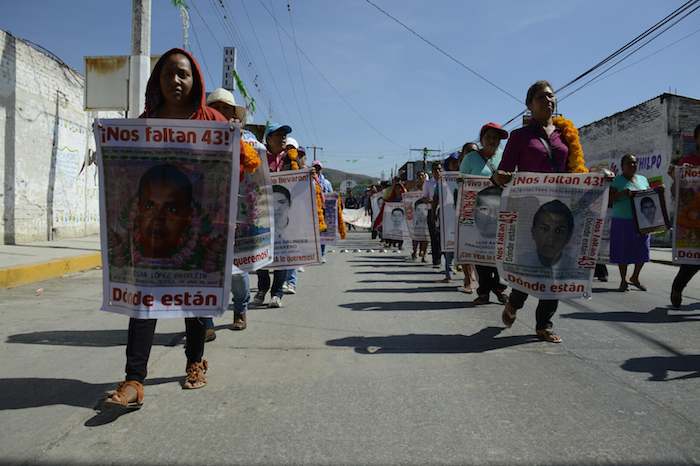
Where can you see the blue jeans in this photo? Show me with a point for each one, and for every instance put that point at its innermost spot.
(323, 249)
(448, 263)
(240, 292)
(292, 277)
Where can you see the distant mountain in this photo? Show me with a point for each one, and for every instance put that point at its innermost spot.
(337, 176)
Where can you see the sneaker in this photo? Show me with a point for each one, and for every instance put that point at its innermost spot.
(289, 289)
(276, 301)
(259, 298)
(239, 322)
(323, 260)
(301, 270)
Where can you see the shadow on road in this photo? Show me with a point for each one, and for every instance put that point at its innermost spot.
(480, 342)
(657, 315)
(399, 272)
(428, 289)
(408, 282)
(34, 392)
(388, 267)
(93, 338)
(658, 367)
(407, 305)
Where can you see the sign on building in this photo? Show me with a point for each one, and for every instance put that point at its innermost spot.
(228, 81)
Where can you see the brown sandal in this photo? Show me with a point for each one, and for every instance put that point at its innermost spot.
(120, 396)
(548, 335)
(508, 315)
(196, 375)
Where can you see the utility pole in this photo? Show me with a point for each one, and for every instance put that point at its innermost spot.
(140, 59)
(425, 152)
(315, 148)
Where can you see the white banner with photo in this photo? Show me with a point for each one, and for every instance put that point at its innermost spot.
(416, 208)
(330, 215)
(167, 215)
(686, 229)
(254, 225)
(604, 249)
(376, 202)
(549, 232)
(449, 189)
(479, 201)
(297, 235)
(394, 226)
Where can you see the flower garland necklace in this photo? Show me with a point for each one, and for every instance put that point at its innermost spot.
(569, 135)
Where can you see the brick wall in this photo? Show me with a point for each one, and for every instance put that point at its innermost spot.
(46, 135)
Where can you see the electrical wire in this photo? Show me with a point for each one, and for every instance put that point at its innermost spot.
(301, 74)
(201, 51)
(332, 86)
(443, 52)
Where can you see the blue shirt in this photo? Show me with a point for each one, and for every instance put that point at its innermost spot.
(326, 185)
(622, 208)
(474, 164)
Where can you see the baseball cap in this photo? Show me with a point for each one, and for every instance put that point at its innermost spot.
(274, 127)
(317, 163)
(491, 125)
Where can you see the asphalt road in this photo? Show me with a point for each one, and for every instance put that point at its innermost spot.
(372, 362)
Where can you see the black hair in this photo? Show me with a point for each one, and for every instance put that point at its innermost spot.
(166, 173)
(555, 207)
(490, 191)
(278, 188)
(397, 209)
(647, 200)
(420, 201)
(534, 89)
(625, 158)
(466, 144)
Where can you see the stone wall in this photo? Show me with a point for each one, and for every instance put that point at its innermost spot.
(46, 138)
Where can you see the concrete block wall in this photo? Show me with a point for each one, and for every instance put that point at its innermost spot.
(47, 136)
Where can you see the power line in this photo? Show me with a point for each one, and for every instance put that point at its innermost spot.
(301, 73)
(289, 75)
(448, 55)
(201, 51)
(330, 84)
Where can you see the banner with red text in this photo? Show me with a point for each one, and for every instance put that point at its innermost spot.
(449, 188)
(167, 215)
(330, 215)
(477, 216)
(686, 228)
(254, 225)
(297, 235)
(416, 207)
(549, 232)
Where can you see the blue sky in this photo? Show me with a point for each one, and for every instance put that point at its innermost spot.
(410, 93)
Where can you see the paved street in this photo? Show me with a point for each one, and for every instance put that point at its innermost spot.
(373, 362)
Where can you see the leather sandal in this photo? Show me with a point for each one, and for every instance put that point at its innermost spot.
(639, 286)
(508, 315)
(546, 334)
(196, 375)
(501, 296)
(481, 299)
(239, 322)
(120, 396)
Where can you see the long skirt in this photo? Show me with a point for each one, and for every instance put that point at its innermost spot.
(627, 246)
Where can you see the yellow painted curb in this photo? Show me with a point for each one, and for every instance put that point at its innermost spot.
(30, 273)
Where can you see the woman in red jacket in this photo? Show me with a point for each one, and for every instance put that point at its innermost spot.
(175, 90)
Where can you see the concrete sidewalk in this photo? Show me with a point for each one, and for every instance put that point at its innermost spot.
(33, 262)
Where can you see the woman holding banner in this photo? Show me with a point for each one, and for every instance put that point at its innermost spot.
(627, 245)
(540, 146)
(690, 217)
(175, 89)
(483, 162)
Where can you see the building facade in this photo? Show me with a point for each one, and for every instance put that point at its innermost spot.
(45, 139)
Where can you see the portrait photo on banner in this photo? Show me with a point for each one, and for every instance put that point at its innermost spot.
(297, 233)
(549, 233)
(478, 204)
(649, 210)
(394, 226)
(416, 208)
(686, 228)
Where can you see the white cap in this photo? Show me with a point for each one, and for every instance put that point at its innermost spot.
(221, 95)
(292, 142)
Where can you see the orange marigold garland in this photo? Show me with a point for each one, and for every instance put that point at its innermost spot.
(250, 159)
(293, 158)
(341, 223)
(569, 134)
(319, 205)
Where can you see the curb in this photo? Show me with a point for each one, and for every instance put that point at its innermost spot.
(11, 277)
